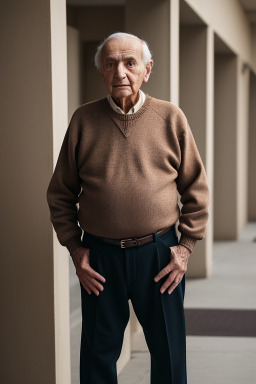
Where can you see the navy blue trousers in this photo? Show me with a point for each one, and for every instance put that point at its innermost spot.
(130, 275)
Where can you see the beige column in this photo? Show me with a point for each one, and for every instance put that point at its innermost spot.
(59, 127)
(242, 143)
(196, 100)
(34, 277)
(230, 146)
(225, 147)
(251, 151)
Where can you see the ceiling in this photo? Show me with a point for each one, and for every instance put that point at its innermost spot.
(248, 5)
(250, 9)
(96, 2)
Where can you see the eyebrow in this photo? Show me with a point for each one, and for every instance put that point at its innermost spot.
(125, 58)
(131, 58)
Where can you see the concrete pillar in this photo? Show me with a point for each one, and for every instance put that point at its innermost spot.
(242, 143)
(231, 147)
(157, 22)
(196, 100)
(59, 126)
(225, 148)
(34, 320)
(251, 151)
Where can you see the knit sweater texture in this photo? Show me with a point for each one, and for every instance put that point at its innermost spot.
(118, 176)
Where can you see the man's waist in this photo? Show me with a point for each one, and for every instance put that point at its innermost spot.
(130, 242)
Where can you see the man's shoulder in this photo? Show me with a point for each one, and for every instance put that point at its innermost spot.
(86, 116)
(90, 109)
(168, 111)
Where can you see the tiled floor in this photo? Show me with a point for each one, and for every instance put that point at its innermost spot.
(222, 360)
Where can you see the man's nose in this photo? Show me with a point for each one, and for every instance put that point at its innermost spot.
(120, 71)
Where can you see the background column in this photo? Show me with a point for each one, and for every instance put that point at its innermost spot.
(59, 123)
(34, 271)
(225, 147)
(252, 152)
(196, 100)
(242, 143)
(230, 146)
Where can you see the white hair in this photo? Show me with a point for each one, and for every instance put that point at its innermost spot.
(146, 54)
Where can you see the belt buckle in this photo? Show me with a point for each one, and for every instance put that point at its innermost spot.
(122, 242)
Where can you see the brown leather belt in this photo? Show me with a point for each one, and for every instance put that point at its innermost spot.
(135, 242)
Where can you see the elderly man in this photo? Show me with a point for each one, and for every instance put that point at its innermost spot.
(124, 159)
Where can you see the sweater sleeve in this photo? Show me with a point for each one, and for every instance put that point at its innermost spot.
(194, 191)
(63, 192)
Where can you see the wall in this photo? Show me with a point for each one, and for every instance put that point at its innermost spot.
(74, 70)
(27, 278)
(96, 23)
(93, 24)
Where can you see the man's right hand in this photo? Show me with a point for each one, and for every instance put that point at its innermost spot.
(86, 274)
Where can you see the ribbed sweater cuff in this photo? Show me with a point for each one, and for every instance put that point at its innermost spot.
(188, 242)
(73, 243)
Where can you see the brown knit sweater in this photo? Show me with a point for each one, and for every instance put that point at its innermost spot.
(125, 171)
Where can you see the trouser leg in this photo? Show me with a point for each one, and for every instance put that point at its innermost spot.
(104, 317)
(161, 315)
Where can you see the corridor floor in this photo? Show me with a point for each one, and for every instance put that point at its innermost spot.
(210, 359)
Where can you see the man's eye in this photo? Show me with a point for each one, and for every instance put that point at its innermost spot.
(109, 65)
(130, 64)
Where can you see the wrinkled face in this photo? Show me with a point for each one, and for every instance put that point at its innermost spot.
(122, 68)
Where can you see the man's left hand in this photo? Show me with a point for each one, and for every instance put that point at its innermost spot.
(176, 268)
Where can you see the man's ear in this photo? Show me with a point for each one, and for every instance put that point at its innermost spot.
(148, 69)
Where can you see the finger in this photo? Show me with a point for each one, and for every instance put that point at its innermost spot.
(85, 286)
(95, 274)
(175, 283)
(168, 281)
(84, 275)
(88, 269)
(91, 286)
(167, 269)
(94, 282)
(87, 289)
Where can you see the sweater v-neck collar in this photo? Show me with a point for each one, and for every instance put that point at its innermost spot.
(123, 121)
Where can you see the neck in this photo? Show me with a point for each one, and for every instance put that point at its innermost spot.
(126, 103)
